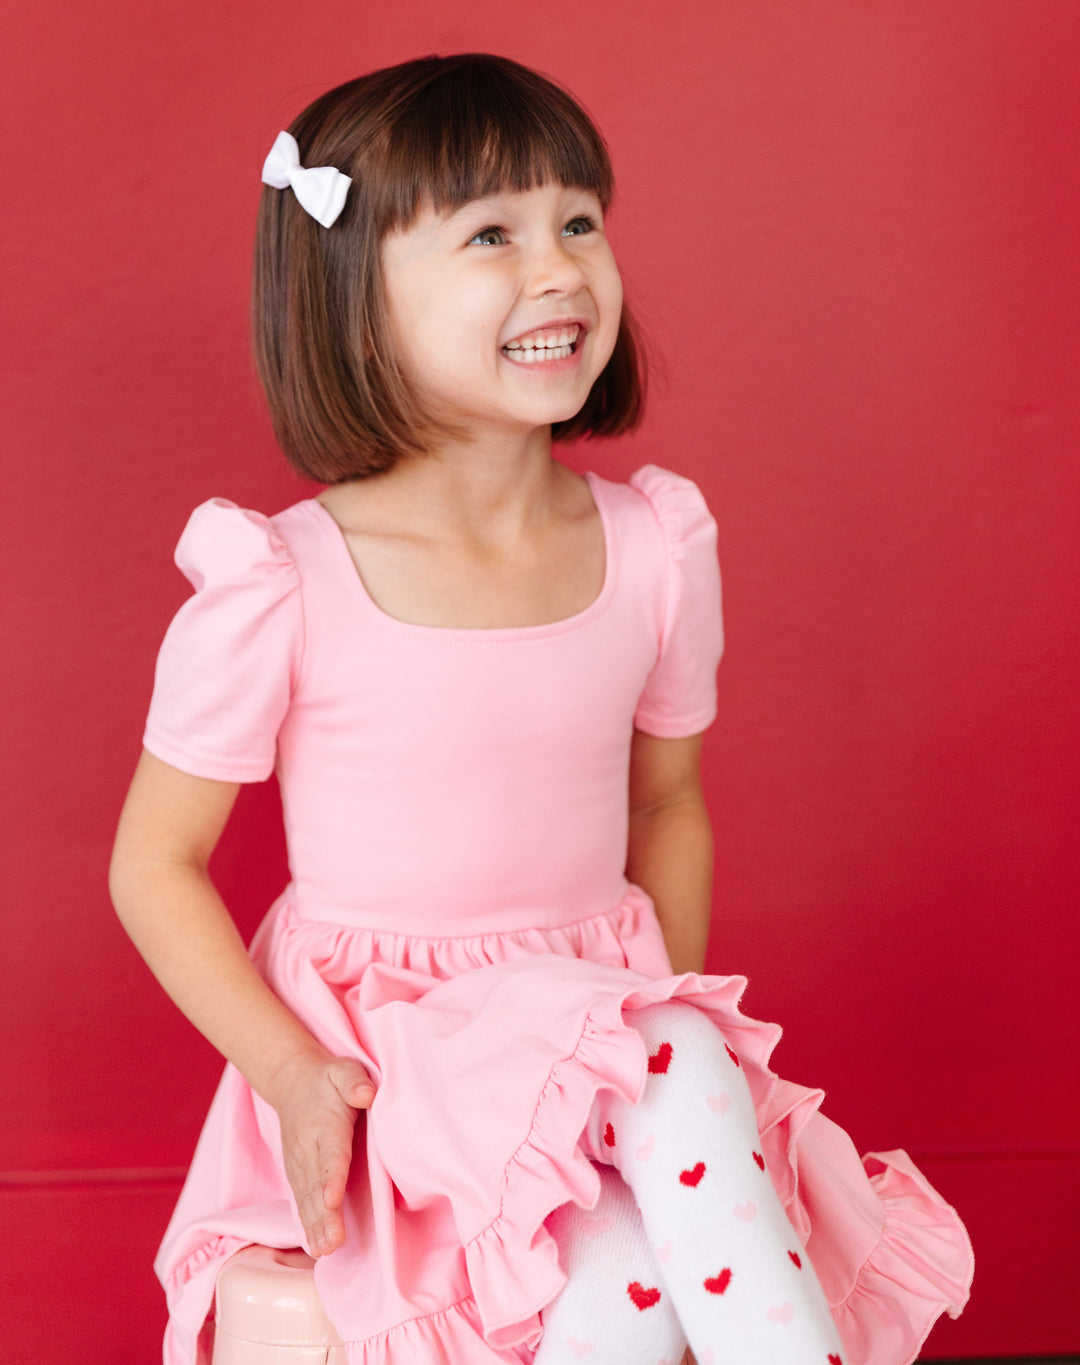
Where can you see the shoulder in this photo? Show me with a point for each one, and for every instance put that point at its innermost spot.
(665, 501)
(224, 543)
(233, 652)
(678, 504)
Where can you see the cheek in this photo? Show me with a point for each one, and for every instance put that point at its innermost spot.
(479, 304)
(610, 302)
(418, 331)
(439, 322)
(607, 290)
(615, 290)
(401, 328)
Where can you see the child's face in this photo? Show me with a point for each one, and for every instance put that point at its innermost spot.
(504, 313)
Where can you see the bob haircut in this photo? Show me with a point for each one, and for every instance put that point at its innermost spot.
(439, 131)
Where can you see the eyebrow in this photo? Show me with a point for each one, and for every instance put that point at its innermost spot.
(493, 201)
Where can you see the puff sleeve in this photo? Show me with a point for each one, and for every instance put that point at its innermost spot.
(229, 660)
(679, 697)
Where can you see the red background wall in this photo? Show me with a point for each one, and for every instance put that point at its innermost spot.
(850, 228)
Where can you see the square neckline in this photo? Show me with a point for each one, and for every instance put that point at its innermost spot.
(344, 560)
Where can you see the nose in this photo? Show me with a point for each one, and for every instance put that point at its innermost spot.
(553, 269)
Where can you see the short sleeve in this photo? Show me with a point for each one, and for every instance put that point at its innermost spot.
(679, 697)
(228, 663)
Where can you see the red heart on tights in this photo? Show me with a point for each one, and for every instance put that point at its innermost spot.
(834, 1360)
(660, 1060)
(693, 1177)
(760, 1160)
(720, 1283)
(609, 1135)
(796, 1262)
(643, 1298)
(732, 1055)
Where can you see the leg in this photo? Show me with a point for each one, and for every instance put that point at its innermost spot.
(741, 1283)
(615, 1309)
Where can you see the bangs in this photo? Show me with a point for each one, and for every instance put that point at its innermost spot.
(477, 125)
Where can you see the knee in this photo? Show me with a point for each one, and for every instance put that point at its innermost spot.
(674, 1022)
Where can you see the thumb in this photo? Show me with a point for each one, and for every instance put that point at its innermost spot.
(352, 1082)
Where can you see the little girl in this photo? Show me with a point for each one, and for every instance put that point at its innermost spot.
(482, 681)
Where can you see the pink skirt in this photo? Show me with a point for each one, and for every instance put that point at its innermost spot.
(488, 1054)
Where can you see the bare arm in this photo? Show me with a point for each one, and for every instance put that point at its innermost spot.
(670, 850)
(166, 901)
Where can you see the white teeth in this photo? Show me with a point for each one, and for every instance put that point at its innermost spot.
(537, 355)
(553, 343)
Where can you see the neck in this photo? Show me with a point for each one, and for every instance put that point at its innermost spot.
(491, 479)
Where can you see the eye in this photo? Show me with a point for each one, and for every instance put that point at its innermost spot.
(489, 236)
(576, 227)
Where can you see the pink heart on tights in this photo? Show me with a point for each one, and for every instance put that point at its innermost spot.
(718, 1103)
(784, 1313)
(596, 1227)
(646, 1149)
(747, 1212)
(663, 1254)
(580, 1348)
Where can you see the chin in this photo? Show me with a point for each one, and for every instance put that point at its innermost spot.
(562, 412)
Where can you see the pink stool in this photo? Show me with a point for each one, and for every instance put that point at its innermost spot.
(268, 1313)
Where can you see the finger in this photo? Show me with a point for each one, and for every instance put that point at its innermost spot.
(333, 1232)
(335, 1173)
(314, 1172)
(352, 1082)
(313, 1218)
(324, 1229)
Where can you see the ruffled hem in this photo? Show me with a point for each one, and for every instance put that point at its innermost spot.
(453, 1336)
(923, 1264)
(191, 1284)
(891, 1255)
(919, 1263)
(513, 1264)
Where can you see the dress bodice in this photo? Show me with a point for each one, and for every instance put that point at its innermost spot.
(440, 781)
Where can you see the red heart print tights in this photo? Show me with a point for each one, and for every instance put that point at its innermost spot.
(689, 1241)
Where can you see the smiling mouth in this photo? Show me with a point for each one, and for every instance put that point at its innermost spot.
(547, 343)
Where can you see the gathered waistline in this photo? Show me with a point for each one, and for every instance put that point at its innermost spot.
(633, 898)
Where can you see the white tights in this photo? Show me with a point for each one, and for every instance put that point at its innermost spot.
(689, 1240)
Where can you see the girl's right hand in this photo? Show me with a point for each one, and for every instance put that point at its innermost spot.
(317, 1099)
(169, 905)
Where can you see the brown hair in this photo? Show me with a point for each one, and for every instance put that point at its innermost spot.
(439, 130)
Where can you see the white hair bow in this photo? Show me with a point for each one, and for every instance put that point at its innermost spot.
(321, 190)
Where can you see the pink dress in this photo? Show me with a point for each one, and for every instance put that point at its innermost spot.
(458, 919)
